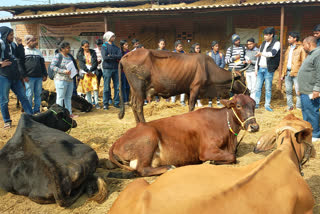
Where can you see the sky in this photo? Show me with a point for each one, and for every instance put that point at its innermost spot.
(6, 3)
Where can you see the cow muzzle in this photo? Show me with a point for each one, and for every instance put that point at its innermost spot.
(253, 127)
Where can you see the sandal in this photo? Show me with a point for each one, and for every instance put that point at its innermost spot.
(7, 125)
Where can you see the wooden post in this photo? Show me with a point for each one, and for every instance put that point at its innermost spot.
(281, 47)
(105, 24)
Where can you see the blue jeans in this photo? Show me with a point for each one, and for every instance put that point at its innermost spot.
(64, 91)
(125, 87)
(264, 76)
(33, 90)
(17, 87)
(109, 74)
(310, 113)
(289, 81)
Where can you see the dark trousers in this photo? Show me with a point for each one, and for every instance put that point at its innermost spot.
(125, 87)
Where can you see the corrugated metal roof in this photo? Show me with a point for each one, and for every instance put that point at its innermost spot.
(186, 8)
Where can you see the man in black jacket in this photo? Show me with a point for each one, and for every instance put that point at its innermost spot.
(267, 63)
(35, 71)
(111, 55)
(11, 72)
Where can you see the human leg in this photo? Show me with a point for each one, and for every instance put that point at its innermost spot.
(115, 79)
(88, 97)
(19, 90)
(61, 92)
(296, 87)
(68, 95)
(289, 84)
(268, 87)
(4, 98)
(30, 85)
(259, 84)
(106, 86)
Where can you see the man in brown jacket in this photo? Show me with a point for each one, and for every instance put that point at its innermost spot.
(294, 57)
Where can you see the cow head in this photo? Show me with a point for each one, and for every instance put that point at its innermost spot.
(56, 117)
(243, 108)
(238, 85)
(301, 132)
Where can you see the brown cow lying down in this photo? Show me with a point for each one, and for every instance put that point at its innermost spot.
(206, 134)
(270, 185)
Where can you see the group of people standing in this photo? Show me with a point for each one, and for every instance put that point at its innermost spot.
(301, 69)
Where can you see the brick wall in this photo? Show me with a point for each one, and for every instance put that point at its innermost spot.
(24, 29)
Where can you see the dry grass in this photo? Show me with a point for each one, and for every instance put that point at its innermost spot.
(100, 129)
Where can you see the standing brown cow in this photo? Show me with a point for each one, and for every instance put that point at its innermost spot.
(207, 134)
(161, 73)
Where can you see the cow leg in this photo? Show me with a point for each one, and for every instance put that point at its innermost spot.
(150, 171)
(134, 108)
(218, 156)
(192, 98)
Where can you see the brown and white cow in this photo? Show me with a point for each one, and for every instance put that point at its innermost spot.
(207, 134)
(270, 185)
(163, 73)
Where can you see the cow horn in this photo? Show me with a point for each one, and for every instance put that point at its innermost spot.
(245, 68)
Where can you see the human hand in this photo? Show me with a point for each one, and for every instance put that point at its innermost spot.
(282, 78)
(315, 94)
(256, 72)
(258, 54)
(44, 78)
(249, 61)
(19, 40)
(26, 79)
(99, 61)
(67, 72)
(298, 93)
(237, 57)
(5, 63)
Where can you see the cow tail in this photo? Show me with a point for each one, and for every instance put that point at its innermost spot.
(102, 191)
(115, 161)
(122, 109)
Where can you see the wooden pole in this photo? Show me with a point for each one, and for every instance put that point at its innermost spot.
(105, 24)
(281, 47)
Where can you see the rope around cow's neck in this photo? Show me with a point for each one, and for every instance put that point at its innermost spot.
(69, 130)
(308, 152)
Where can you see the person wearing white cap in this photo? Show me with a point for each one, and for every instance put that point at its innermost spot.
(111, 55)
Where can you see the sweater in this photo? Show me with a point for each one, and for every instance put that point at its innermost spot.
(251, 55)
(111, 55)
(34, 63)
(309, 73)
(232, 52)
(218, 58)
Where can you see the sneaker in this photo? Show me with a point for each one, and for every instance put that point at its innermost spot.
(314, 139)
(145, 102)
(183, 103)
(74, 116)
(105, 107)
(199, 105)
(7, 125)
(117, 106)
(98, 107)
(269, 109)
(210, 105)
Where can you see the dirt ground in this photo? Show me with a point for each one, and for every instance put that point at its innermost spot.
(101, 128)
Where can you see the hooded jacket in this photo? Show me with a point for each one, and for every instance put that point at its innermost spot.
(14, 54)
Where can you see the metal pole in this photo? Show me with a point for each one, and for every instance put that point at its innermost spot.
(281, 47)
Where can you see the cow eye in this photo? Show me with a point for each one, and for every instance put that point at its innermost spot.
(238, 106)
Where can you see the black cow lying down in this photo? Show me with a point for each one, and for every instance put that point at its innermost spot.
(77, 102)
(46, 164)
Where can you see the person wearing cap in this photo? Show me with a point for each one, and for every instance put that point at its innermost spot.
(316, 33)
(218, 58)
(35, 71)
(111, 56)
(251, 75)
(293, 59)
(11, 72)
(268, 59)
(235, 55)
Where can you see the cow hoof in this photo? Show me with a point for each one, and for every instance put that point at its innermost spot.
(107, 164)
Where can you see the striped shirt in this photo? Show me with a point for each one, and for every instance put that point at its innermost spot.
(60, 75)
(230, 57)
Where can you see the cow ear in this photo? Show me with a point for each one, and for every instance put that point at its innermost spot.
(304, 135)
(228, 103)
